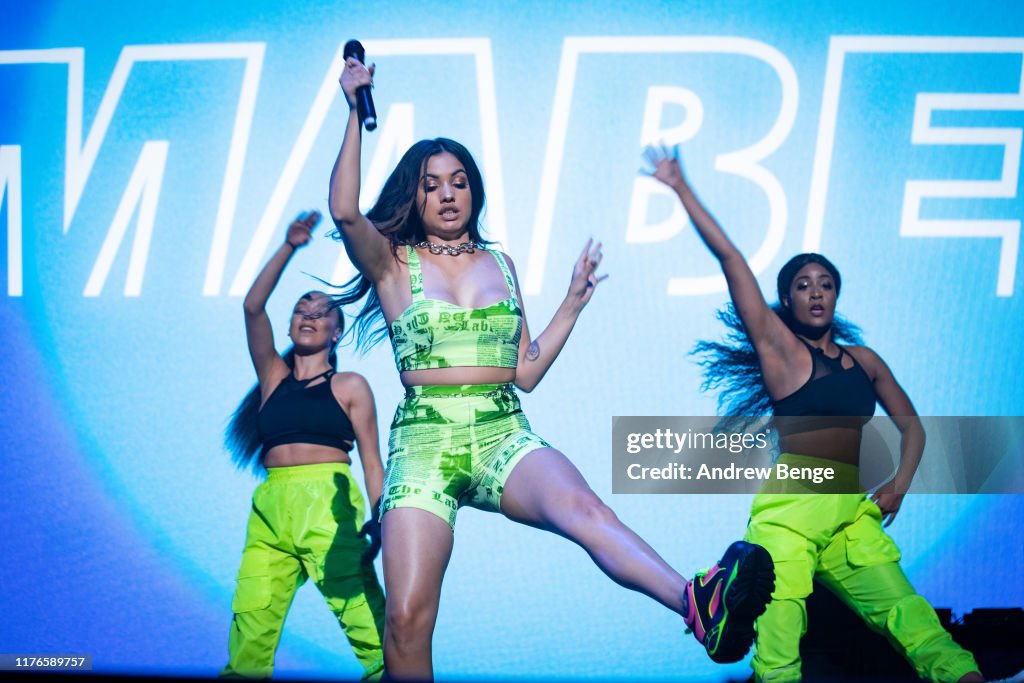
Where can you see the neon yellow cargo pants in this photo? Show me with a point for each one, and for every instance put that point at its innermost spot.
(838, 539)
(304, 523)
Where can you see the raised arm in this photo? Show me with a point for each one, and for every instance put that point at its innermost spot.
(369, 251)
(896, 403)
(537, 355)
(763, 326)
(258, 331)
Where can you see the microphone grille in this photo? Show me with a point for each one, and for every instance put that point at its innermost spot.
(354, 48)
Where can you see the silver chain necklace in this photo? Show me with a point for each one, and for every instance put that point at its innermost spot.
(461, 248)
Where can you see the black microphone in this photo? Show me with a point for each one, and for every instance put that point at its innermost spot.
(364, 100)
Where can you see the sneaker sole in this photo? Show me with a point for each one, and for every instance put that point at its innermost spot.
(746, 597)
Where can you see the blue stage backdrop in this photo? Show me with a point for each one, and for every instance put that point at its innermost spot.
(152, 153)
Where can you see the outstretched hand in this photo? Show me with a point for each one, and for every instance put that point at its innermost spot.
(665, 162)
(354, 76)
(584, 274)
(888, 501)
(301, 229)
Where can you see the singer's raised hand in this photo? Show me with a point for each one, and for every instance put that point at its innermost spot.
(354, 76)
(368, 249)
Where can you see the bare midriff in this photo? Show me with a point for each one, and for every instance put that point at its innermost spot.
(292, 454)
(841, 444)
(458, 376)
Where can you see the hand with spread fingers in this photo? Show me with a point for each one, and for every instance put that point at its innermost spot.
(665, 162)
(584, 274)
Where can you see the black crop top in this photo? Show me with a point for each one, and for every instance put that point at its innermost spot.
(299, 413)
(833, 396)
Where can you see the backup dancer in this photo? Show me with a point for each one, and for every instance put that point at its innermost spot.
(300, 424)
(787, 360)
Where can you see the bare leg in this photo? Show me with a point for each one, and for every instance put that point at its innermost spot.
(417, 546)
(546, 491)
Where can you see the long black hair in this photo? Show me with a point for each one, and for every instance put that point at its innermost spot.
(241, 438)
(396, 216)
(731, 366)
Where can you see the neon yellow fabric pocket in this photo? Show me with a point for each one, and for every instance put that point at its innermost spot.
(253, 590)
(866, 543)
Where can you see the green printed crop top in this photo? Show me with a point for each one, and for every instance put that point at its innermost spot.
(438, 334)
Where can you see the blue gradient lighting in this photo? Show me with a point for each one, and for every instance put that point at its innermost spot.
(151, 155)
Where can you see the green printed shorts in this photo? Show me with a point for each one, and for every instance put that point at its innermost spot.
(455, 445)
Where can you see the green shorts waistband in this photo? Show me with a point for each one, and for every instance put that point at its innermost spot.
(313, 470)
